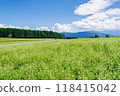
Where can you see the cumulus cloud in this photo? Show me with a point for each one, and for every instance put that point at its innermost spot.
(42, 28)
(11, 26)
(62, 28)
(92, 7)
(111, 13)
(6, 26)
(100, 18)
(26, 27)
(97, 25)
(1, 26)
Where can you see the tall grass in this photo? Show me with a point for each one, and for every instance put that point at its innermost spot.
(78, 59)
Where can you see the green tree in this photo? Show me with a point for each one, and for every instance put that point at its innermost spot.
(107, 36)
(22, 33)
(96, 36)
(10, 35)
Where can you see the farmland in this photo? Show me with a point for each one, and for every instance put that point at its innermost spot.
(50, 59)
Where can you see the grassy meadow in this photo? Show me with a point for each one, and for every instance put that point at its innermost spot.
(49, 59)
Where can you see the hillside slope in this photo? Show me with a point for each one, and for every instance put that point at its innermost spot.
(86, 34)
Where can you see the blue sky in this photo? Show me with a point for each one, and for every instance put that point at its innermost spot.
(35, 13)
(58, 15)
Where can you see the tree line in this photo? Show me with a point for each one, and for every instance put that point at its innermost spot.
(96, 36)
(23, 33)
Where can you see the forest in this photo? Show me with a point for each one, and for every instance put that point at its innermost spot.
(23, 33)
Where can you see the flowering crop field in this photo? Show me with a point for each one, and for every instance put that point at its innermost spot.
(47, 59)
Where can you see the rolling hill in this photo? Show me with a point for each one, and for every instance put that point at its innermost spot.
(86, 34)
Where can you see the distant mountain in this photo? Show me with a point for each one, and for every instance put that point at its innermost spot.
(112, 32)
(86, 34)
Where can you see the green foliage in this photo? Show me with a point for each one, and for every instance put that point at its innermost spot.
(71, 37)
(22, 33)
(96, 36)
(75, 59)
(10, 35)
(107, 36)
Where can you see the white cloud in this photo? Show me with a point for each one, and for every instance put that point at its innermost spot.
(111, 13)
(100, 19)
(6, 26)
(1, 26)
(92, 7)
(62, 28)
(107, 20)
(97, 25)
(26, 27)
(42, 28)
(11, 26)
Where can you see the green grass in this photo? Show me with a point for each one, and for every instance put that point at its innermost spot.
(7, 41)
(78, 59)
